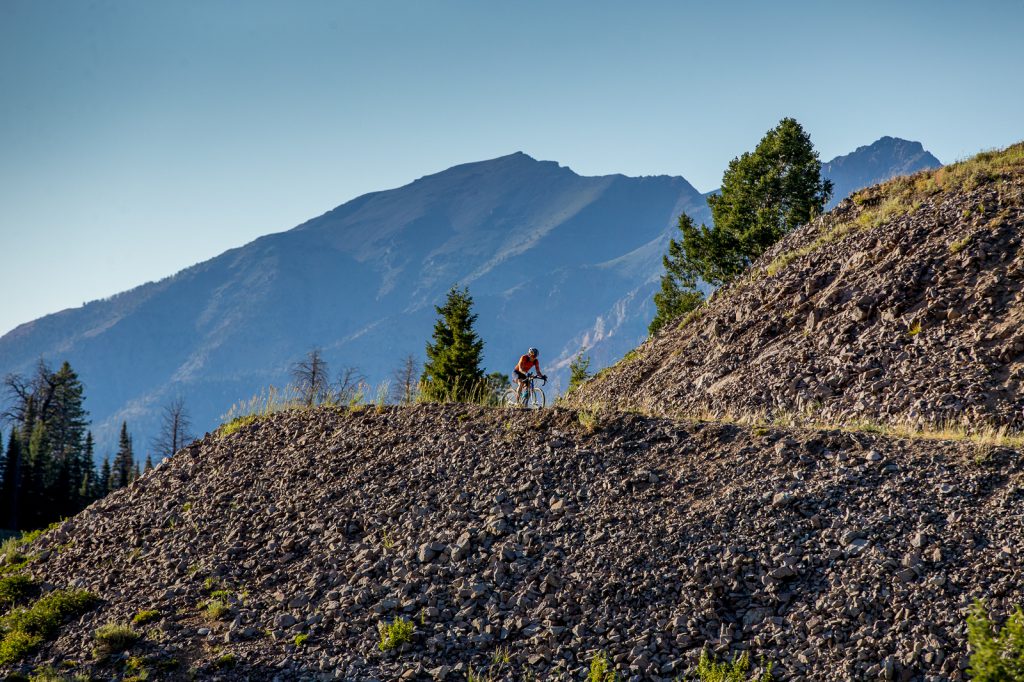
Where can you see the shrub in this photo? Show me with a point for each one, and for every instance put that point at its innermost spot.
(300, 640)
(15, 588)
(395, 633)
(16, 645)
(25, 628)
(996, 655)
(710, 670)
(590, 420)
(113, 638)
(601, 670)
(143, 617)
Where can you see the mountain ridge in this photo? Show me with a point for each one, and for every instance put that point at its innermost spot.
(360, 281)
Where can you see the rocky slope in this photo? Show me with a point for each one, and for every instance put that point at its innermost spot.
(541, 538)
(905, 304)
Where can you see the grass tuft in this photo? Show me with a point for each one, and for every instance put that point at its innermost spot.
(113, 638)
(143, 617)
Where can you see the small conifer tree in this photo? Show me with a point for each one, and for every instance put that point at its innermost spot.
(452, 370)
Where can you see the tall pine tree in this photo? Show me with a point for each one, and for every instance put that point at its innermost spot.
(452, 370)
(104, 484)
(10, 501)
(124, 461)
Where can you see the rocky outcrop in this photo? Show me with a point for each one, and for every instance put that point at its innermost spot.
(905, 304)
(540, 539)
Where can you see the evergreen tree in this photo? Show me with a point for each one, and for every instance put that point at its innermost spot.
(136, 474)
(124, 461)
(679, 293)
(149, 464)
(765, 194)
(452, 370)
(87, 489)
(579, 371)
(12, 484)
(36, 493)
(104, 484)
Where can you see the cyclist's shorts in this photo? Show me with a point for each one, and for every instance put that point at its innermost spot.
(520, 375)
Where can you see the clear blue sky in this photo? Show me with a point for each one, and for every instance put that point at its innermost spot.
(140, 137)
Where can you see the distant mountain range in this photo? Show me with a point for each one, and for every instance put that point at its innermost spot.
(553, 259)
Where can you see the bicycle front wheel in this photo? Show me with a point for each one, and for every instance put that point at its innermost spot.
(509, 398)
(537, 399)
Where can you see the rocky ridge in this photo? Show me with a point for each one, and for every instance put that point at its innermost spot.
(540, 539)
(903, 305)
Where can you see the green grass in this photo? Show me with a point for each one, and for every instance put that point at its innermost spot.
(113, 638)
(997, 654)
(228, 660)
(237, 424)
(395, 633)
(24, 628)
(143, 617)
(300, 640)
(709, 669)
(915, 328)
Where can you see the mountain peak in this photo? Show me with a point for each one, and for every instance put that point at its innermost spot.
(881, 160)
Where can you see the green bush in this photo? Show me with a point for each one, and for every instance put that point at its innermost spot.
(996, 655)
(395, 634)
(15, 588)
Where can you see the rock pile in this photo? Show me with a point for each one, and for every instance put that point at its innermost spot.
(904, 305)
(523, 543)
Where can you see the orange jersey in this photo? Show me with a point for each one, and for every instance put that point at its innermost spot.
(526, 363)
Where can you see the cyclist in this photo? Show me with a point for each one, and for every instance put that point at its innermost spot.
(526, 363)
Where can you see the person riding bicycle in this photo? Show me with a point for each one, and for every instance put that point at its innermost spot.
(526, 363)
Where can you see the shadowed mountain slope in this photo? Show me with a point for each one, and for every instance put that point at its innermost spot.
(553, 259)
(904, 305)
(519, 544)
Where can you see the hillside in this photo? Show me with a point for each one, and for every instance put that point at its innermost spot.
(903, 306)
(553, 259)
(520, 544)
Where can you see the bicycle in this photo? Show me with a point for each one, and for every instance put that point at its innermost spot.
(532, 398)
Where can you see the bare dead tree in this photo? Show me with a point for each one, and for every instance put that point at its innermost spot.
(406, 377)
(350, 381)
(311, 378)
(28, 394)
(175, 426)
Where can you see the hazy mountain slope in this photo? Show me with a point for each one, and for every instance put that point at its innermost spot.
(838, 556)
(528, 237)
(553, 259)
(904, 304)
